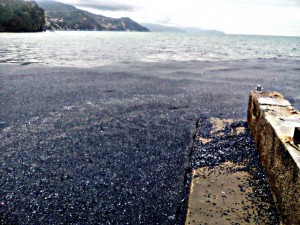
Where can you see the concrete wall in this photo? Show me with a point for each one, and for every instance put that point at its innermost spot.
(272, 121)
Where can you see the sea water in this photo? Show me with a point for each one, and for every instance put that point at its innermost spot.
(91, 49)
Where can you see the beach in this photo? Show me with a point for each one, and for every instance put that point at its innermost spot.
(111, 144)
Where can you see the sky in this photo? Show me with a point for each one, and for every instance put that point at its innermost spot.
(259, 17)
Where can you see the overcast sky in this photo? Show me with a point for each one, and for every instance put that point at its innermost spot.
(267, 17)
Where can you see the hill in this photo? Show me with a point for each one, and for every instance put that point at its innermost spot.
(160, 28)
(196, 30)
(60, 16)
(21, 16)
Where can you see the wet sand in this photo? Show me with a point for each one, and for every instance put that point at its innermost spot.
(111, 145)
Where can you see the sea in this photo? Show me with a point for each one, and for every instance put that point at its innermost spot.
(92, 49)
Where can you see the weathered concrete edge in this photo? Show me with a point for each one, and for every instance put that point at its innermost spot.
(271, 126)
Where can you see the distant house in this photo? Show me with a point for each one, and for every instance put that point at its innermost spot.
(55, 20)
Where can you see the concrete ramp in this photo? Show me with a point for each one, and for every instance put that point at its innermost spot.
(229, 185)
(238, 181)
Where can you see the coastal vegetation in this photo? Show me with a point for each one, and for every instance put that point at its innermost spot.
(60, 16)
(21, 16)
(31, 16)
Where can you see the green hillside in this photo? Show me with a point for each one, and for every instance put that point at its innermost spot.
(21, 16)
(60, 16)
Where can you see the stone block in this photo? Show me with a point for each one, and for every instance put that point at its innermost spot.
(272, 122)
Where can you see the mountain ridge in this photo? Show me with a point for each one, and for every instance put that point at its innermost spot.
(163, 28)
(61, 16)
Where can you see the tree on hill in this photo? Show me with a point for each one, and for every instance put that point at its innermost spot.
(60, 16)
(21, 16)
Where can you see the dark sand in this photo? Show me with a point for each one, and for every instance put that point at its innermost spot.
(111, 145)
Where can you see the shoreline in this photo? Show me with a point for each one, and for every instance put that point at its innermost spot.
(124, 64)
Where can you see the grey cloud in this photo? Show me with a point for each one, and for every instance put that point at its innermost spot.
(280, 3)
(165, 20)
(291, 3)
(297, 3)
(105, 5)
